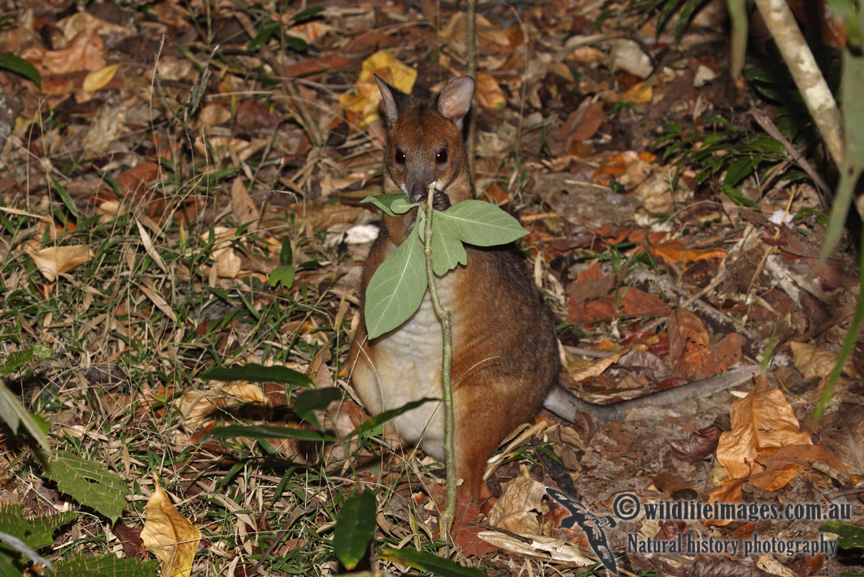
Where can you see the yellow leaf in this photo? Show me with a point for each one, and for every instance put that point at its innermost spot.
(640, 93)
(55, 260)
(489, 94)
(99, 78)
(365, 98)
(169, 535)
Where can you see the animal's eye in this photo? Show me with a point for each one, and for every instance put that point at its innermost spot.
(400, 156)
(441, 156)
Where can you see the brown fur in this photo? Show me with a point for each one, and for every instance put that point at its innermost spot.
(505, 355)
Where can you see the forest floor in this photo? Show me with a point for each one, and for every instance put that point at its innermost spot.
(183, 190)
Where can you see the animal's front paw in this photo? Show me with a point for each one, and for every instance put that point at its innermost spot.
(440, 201)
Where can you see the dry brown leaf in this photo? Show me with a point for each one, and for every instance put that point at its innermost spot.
(516, 509)
(456, 26)
(83, 54)
(243, 206)
(761, 420)
(169, 535)
(200, 408)
(488, 92)
(812, 361)
(54, 261)
(214, 115)
(158, 300)
(842, 432)
(84, 21)
(99, 78)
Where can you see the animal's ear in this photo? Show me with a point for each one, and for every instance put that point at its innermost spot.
(394, 100)
(455, 100)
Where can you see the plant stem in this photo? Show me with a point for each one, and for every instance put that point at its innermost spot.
(447, 354)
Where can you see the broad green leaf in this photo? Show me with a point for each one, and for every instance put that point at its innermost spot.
(738, 170)
(256, 373)
(89, 483)
(283, 274)
(481, 223)
(428, 562)
(308, 402)
(36, 532)
(355, 529)
(262, 432)
(65, 197)
(392, 204)
(286, 254)
(20, 66)
(447, 249)
(307, 13)
(396, 289)
(384, 416)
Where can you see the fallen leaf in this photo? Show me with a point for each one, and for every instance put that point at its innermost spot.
(761, 420)
(172, 538)
(488, 92)
(54, 261)
(365, 98)
(516, 509)
(99, 78)
(674, 251)
(812, 361)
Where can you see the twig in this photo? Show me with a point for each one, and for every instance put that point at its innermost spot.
(447, 354)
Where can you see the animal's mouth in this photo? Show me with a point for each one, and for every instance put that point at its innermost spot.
(417, 195)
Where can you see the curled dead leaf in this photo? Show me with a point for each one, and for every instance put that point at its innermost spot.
(99, 78)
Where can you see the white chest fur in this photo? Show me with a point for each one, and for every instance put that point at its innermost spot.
(405, 367)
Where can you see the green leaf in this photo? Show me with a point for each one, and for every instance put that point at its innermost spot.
(264, 35)
(738, 170)
(396, 289)
(447, 249)
(262, 432)
(15, 415)
(480, 223)
(89, 483)
(385, 416)
(429, 562)
(282, 274)
(307, 13)
(256, 373)
(286, 254)
(392, 204)
(65, 197)
(850, 536)
(355, 529)
(36, 532)
(19, 358)
(308, 402)
(106, 566)
(20, 66)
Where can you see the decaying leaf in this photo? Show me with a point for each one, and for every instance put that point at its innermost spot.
(489, 94)
(516, 509)
(172, 538)
(55, 260)
(812, 361)
(761, 420)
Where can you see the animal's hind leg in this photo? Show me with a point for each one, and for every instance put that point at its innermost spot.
(485, 413)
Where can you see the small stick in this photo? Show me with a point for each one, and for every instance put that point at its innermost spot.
(443, 315)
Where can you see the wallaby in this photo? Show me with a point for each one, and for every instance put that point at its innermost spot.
(505, 355)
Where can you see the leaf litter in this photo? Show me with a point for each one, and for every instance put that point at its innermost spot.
(154, 186)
